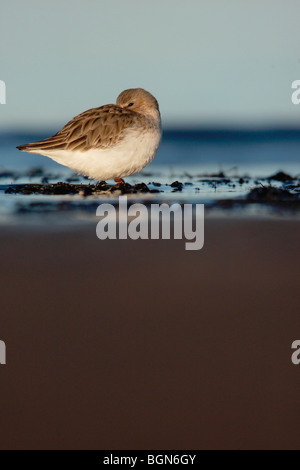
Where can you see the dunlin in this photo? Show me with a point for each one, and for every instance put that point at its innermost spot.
(112, 141)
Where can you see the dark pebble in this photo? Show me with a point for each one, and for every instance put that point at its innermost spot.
(85, 189)
(281, 176)
(177, 186)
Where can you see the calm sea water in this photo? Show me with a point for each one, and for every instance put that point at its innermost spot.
(183, 155)
(254, 152)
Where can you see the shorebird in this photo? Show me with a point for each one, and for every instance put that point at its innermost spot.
(108, 142)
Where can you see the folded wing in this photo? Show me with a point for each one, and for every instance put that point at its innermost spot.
(100, 128)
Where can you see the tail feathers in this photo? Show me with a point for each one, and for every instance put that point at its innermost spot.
(52, 143)
(28, 147)
(22, 147)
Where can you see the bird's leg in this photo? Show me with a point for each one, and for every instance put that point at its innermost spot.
(119, 180)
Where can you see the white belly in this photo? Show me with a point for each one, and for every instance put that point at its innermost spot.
(132, 154)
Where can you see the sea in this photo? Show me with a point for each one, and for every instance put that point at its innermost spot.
(211, 164)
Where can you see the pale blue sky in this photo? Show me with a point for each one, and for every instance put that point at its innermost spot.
(208, 62)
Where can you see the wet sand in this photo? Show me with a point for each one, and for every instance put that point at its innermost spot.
(143, 345)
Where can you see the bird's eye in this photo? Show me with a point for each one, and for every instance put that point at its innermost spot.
(130, 104)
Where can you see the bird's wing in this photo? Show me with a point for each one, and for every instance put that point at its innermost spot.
(95, 128)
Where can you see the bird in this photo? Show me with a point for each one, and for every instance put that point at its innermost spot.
(108, 142)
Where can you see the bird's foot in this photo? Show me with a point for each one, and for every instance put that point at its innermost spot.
(119, 180)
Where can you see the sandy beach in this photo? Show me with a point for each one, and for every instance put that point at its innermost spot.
(143, 345)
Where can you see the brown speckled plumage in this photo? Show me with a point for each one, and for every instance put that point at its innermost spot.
(99, 128)
(111, 141)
